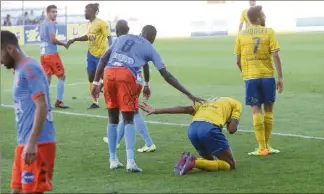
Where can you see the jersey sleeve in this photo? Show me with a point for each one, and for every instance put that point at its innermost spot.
(35, 80)
(155, 58)
(51, 28)
(237, 109)
(274, 44)
(105, 29)
(242, 18)
(237, 48)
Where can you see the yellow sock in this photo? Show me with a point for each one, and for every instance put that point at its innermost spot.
(212, 165)
(268, 126)
(94, 100)
(259, 130)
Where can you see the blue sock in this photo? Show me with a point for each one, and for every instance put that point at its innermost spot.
(130, 138)
(112, 138)
(120, 129)
(59, 89)
(142, 129)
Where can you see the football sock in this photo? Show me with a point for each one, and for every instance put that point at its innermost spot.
(94, 100)
(142, 129)
(112, 138)
(59, 90)
(120, 129)
(259, 130)
(130, 138)
(268, 126)
(212, 165)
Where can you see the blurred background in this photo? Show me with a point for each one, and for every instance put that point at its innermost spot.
(172, 18)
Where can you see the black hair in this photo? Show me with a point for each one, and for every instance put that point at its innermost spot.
(8, 37)
(149, 29)
(94, 6)
(48, 9)
(254, 13)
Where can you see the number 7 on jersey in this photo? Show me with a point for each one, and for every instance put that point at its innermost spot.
(256, 45)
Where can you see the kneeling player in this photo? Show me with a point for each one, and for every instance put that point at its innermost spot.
(205, 133)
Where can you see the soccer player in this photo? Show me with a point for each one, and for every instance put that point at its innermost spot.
(254, 48)
(34, 156)
(120, 64)
(98, 32)
(205, 133)
(122, 29)
(50, 59)
(244, 18)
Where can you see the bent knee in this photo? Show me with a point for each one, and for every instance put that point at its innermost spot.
(61, 77)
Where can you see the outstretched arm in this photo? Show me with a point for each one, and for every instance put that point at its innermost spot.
(172, 110)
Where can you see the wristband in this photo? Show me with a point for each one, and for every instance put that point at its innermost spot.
(96, 83)
(146, 84)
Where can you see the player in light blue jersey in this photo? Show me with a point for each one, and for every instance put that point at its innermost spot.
(121, 63)
(35, 153)
(50, 59)
(122, 29)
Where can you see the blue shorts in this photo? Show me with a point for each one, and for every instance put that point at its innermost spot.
(207, 138)
(92, 62)
(260, 91)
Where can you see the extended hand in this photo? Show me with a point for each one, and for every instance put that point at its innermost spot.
(29, 153)
(196, 99)
(70, 42)
(147, 108)
(146, 92)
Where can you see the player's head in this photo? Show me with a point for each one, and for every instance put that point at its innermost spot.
(149, 33)
(9, 49)
(252, 3)
(122, 27)
(91, 10)
(256, 15)
(51, 11)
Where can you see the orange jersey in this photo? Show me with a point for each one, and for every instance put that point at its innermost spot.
(255, 45)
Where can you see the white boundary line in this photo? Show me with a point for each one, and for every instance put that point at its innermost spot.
(54, 86)
(172, 124)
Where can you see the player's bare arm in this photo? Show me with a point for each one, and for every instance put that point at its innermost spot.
(241, 26)
(100, 69)
(232, 125)
(56, 41)
(173, 110)
(168, 77)
(238, 62)
(29, 154)
(146, 90)
(277, 62)
(80, 39)
(109, 40)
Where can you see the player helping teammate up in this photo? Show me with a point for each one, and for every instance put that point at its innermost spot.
(255, 48)
(128, 54)
(205, 133)
(122, 28)
(98, 32)
(35, 153)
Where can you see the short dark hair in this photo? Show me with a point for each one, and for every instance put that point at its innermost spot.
(94, 6)
(8, 37)
(150, 29)
(48, 9)
(254, 13)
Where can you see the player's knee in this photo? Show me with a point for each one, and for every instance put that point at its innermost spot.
(16, 191)
(61, 77)
(256, 109)
(128, 117)
(268, 108)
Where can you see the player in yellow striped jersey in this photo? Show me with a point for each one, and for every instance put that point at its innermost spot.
(244, 18)
(98, 32)
(255, 48)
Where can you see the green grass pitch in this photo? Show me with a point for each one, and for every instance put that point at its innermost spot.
(206, 66)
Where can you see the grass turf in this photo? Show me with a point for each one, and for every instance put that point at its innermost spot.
(206, 67)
